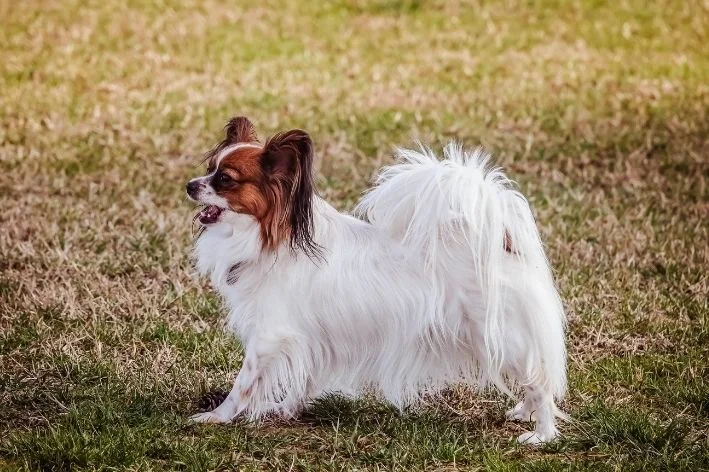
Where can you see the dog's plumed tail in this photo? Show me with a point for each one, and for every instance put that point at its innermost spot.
(479, 241)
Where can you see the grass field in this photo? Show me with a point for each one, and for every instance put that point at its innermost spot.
(599, 109)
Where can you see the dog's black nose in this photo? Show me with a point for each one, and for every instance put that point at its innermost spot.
(192, 188)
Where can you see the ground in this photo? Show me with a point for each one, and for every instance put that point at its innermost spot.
(598, 109)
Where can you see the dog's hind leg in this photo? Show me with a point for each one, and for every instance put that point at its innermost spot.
(540, 381)
(538, 406)
(524, 410)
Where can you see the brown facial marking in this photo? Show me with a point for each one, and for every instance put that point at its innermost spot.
(237, 130)
(245, 192)
(273, 183)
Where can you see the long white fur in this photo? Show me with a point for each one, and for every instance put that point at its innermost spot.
(420, 296)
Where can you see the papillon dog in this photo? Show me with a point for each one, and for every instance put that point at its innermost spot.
(440, 278)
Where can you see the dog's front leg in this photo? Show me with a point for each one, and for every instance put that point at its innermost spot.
(255, 363)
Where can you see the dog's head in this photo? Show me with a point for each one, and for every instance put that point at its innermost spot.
(271, 182)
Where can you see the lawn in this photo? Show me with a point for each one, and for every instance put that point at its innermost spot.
(598, 109)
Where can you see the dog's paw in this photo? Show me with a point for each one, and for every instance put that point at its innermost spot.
(518, 413)
(208, 417)
(534, 438)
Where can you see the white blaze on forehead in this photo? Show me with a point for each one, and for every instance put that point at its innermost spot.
(203, 180)
(234, 147)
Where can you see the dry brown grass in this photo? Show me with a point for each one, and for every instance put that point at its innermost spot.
(598, 109)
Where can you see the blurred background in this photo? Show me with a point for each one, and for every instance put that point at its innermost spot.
(597, 108)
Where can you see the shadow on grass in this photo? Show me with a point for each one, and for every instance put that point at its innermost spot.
(114, 429)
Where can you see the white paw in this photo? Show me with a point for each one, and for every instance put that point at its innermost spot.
(208, 417)
(518, 413)
(513, 415)
(533, 438)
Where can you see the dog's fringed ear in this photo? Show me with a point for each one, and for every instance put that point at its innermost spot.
(237, 130)
(240, 130)
(288, 163)
(285, 150)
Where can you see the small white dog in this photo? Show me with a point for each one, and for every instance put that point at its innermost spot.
(445, 280)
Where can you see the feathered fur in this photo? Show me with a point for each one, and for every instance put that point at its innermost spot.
(443, 280)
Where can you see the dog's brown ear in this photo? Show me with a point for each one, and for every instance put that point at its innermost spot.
(287, 163)
(237, 130)
(240, 130)
(290, 152)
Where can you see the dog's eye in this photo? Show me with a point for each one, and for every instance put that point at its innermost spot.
(224, 179)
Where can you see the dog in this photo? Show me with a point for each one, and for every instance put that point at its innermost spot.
(440, 278)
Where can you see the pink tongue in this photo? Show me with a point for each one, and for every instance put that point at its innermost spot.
(209, 215)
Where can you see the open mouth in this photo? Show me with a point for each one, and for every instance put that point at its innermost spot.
(209, 214)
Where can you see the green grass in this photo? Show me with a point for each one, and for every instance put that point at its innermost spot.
(600, 110)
